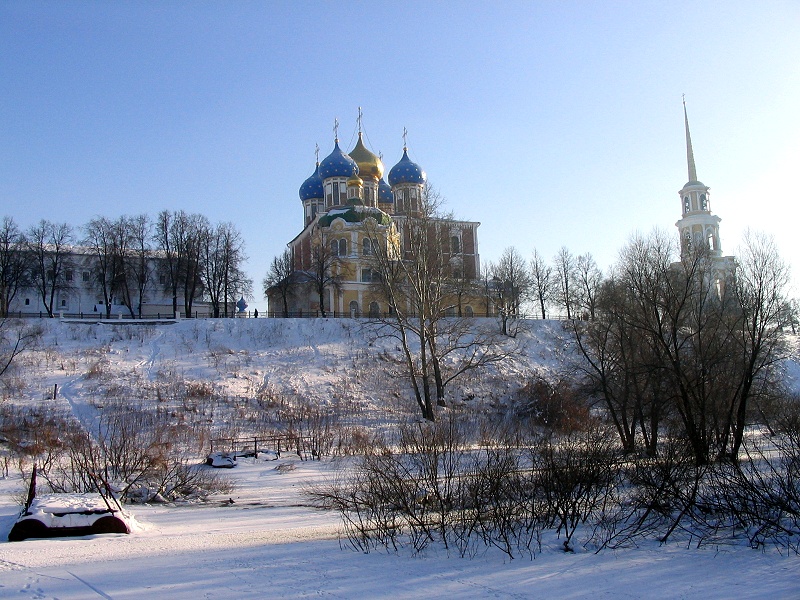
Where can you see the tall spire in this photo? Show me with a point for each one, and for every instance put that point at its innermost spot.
(689, 152)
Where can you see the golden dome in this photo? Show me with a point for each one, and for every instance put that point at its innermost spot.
(369, 165)
(355, 180)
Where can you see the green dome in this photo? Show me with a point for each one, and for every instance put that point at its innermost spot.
(356, 213)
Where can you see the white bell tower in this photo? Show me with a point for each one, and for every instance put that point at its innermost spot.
(697, 226)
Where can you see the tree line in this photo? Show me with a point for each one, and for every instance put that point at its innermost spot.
(669, 343)
(567, 286)
(689, 348)
(180, 254)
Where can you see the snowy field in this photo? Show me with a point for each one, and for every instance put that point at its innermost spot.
(268, 545)
(267, 542)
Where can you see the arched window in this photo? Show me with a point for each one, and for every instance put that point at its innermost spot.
(366, 247)
(354, 311)
(342, 247)
(455, 245)
(468, 311)
(374, 310)
(335, 247)
(703, 202)
(686, 204)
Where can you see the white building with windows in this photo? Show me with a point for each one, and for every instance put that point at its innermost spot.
(76, 292)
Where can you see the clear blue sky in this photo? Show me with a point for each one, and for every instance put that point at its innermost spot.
(551, 123)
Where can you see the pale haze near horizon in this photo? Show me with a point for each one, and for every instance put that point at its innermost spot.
(552, 124)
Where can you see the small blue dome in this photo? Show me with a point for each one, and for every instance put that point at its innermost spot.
(312, 187)
(385, 194)
(406, 171)
(337, 164)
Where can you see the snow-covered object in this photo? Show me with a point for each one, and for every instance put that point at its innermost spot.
(62, 515)
(221, 460)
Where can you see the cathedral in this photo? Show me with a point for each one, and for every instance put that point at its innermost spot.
(352, 211)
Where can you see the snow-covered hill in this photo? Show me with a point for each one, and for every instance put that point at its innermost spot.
(325, 362)
(262, 540)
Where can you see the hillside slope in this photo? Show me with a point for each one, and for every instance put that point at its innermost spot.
(325, 362)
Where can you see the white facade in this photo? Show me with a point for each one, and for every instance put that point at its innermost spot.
(79, 294)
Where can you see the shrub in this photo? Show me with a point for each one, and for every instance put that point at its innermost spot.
(555, 405)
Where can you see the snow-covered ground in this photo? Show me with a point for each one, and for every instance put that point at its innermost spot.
(267, 542)
(268, 545)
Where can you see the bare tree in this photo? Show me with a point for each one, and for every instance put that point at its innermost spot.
(15, 263)
(192, 242)
(169, 265)
(108, 243)
(542, 282)
(588, 277)
(50, 245)
(619, 358)
(138, 259)
(236, 281)
(180, 240)
(324, 272)
(281, 277)
(759, 289)
(791, 311)
(222, 257)
(565, 275)
(405, 284)
(415, 271)
(460, 286)
(461, 344)
(510, 287)
(15, 338)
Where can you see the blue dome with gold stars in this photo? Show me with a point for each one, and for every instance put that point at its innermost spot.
(385, 194)
(337, 164)
(312, 187)
(406, 171)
